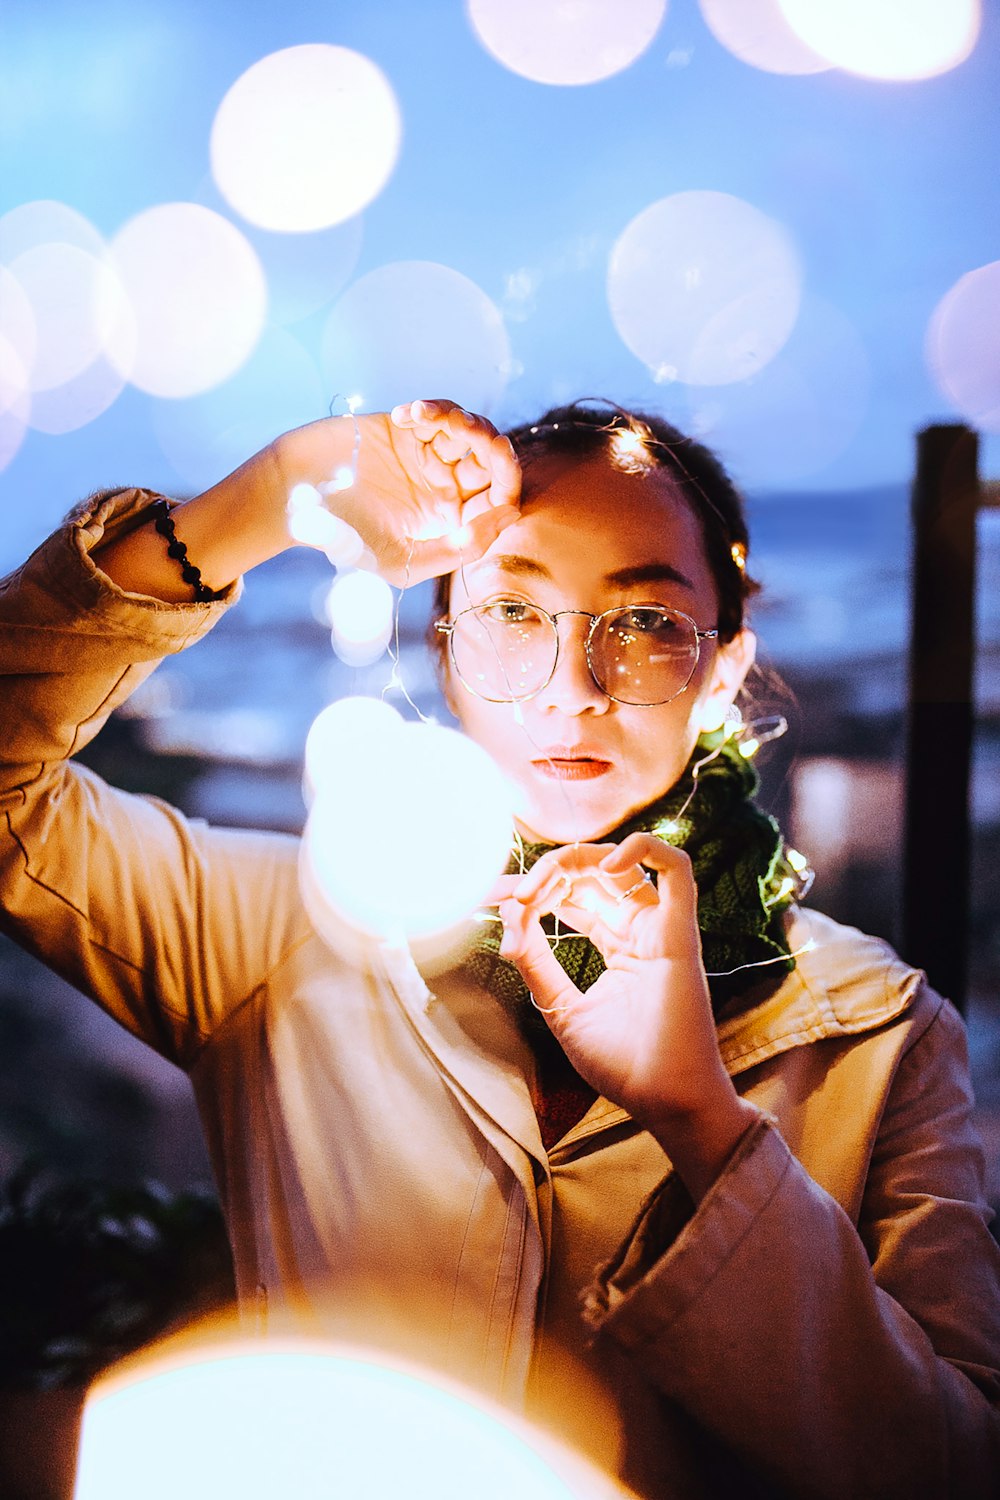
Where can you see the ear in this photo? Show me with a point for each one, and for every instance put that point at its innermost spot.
(733, 661)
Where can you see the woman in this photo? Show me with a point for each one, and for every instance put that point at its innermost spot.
(722, 1228)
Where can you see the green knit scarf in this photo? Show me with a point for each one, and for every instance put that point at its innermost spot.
(743, 877)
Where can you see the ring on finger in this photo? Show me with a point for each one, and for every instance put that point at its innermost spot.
(624, 895)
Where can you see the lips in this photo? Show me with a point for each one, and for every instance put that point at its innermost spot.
(572, 763)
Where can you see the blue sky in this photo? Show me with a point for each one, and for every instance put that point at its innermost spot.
(888, 191)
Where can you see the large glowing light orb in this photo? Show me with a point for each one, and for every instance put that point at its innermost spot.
(891, 39)
(417, 325)
(195, 300)
(566, 41)
(307, 1422)
(409, 827)
(963, 346)
(305, 138)
(758, 33)
(704, 288)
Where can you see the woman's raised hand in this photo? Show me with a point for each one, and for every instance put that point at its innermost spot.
(643, 1035)
(432, 483)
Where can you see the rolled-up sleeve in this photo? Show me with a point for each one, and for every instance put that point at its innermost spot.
(166, 922)
(834, 1360)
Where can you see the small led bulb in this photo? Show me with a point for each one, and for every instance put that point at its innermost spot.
(342, 479)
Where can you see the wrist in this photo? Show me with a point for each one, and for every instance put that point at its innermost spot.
(700, 1140)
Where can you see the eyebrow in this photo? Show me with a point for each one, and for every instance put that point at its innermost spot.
(651, 572)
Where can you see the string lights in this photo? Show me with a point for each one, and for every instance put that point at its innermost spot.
(410, 824)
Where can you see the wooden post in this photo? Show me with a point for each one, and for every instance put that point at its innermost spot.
(941, 708)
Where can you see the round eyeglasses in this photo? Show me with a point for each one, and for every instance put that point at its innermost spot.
(640, 654)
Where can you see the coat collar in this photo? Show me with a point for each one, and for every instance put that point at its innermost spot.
(843, 983)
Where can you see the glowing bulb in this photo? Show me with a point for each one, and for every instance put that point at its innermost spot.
(749, 747)
(459, 538)
(738, 553)
(305, 497)
(355, 403)
(436, 801)
(359, 607)
(629, 451)
(342, 479)
(257, 1422)
(312, 525)
(338, 729)
(797, 861)
(670, 827)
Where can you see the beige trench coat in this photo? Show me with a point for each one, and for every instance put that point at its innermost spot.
(827, 1324)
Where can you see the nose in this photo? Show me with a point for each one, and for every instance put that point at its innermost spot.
(571, 689)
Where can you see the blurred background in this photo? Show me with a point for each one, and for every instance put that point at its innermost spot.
(774, 221)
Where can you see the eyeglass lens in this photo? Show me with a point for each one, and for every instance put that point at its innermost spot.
(642, 654)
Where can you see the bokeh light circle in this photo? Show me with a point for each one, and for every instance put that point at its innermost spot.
(427, 794)
(416, 328)
(360, 608)
(305, 138)
(209, 435)
(17, 325)
(758, 33)
(820, 383)
(46, 221)
(305, 272)
(68, 288)
(963, 346)
(296, 1418)
(15, 403)
(196, 300)
(704, 288)
(74, 403)
(890, 39)
(566, 41)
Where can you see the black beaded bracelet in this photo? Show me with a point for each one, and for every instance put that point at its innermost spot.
(164, 521)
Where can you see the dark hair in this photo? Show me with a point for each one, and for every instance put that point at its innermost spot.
(584, 428)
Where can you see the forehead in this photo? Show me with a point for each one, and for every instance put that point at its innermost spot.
(589, 527)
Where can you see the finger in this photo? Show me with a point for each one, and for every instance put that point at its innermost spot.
(471, 476)
(501, 890)
(435, 473)
(410, 414)
(525, 944)
(487, 449)
(481, 450)
(560, 865)
(646, 849)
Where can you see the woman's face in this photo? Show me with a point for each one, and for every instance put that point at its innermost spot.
(591, 537)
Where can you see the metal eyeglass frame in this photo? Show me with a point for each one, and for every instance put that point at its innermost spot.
(447, 627)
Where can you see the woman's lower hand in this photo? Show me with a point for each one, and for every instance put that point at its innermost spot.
(643, 1035)
(430, 484)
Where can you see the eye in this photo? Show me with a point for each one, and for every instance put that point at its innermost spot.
(648, 619)
(508, 612)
